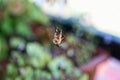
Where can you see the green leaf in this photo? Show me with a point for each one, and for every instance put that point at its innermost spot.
(3, 48)
(28, 73)
(34, 49)
(39, 56)
(18, 57)
(60, 62)
(37, 73)
(11, 69)
(15, 42)
(7, 26)
(34, 62)
(35, 14)
(23, 29)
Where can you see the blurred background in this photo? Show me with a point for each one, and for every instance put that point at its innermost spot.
(90, 49)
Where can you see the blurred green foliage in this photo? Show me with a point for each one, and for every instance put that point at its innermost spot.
(30, 59)
(17, 16)
(15, 19)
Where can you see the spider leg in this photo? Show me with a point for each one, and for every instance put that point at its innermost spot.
(60, 36)
(55, 34)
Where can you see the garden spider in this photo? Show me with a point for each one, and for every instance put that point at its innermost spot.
(58, 37)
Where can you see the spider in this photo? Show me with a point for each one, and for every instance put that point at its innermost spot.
(58, 37)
